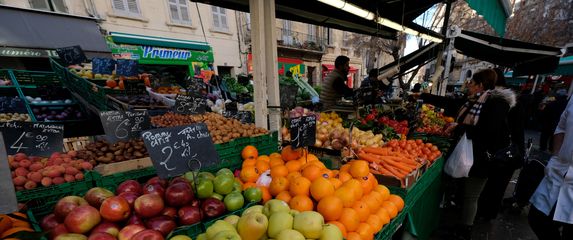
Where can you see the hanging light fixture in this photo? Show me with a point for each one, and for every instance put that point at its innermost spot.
(358, 11)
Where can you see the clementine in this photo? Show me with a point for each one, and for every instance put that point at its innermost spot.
(262, 166)
(284, 195)
(391, 208)
(250, 152)
(383, 190)
(359, 169)
(278, 185)
(350, 219)
(397, 200)
(301, 203)
(320, 188)
(249, 174)
(279, 171)
(300, 186)
(365, 231)
(249, 162)
(362, 210)
(346, 195)
(276, 162)
(335, 182)
(293, 166)
(292, 175)
(383, 215)
(311, 172)
(374, 222)
(266, 194)
(289, 154)
(344, 176)
(353, 236)
(330, 208)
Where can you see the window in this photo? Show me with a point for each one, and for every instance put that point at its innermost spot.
(49, 5)
(286, 32)
(179, 11)
(126, 7)
(219, 19)
(311, 33)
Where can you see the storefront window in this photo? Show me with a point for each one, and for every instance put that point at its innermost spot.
(179, 12)
(126, 7)
(49, 5)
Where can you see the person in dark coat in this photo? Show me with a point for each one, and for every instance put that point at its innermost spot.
(549, 119)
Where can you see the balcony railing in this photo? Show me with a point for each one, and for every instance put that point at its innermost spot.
(292, 39)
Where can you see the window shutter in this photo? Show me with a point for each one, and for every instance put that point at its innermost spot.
(40, 4)
(224, 20)
(132, 6)
(59, 6)
(184, 13)
(118, 5)
(216, 22)
(174, 11)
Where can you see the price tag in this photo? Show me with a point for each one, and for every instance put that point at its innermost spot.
(288, 96)
(187, 104)
(120, 125)
(173, 150)
(126, 68)
(303, 131)
(103, 65)
(71, 55)
(134, 87)
(37, 139)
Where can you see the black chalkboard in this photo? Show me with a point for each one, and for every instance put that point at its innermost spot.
(303, 131)
(126, 68)
(231, 107)
(134, 87)
(119, 125)
(103, 65)
(187, 104)
(288, 96)
(37, 139)
(174, 150)
(71, 55)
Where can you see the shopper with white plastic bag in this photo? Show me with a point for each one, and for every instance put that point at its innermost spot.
(461, 160)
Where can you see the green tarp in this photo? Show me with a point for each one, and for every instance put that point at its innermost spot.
(493, 12)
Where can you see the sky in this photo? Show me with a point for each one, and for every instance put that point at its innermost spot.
(424, 20)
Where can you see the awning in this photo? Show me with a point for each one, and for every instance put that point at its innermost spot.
(565, 66)
(23, 28)
(418, 57)
(135, 39)
(330, 67)
(495, 13)
(525, 58)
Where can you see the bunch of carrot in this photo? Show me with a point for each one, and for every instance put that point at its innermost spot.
(385, 161)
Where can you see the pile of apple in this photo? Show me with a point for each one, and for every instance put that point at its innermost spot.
(274, 220)
(29, 172)
(145, 211)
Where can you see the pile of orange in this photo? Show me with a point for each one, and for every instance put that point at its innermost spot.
(349, 198)
(415, 148)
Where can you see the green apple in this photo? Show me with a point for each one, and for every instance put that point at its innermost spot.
(226, 235)
(181, 237)
(223, 184)
(190, 176)
(234, 201)
(217, 196)
(237, 187)
(253, 194)
(206, 175)
(232, 219)
(331, 232)
(274, 206)
(309, 223)
(225, 171)
(219, 226)
(278, 222)
(204, 188)
(202, 236)
(253, 209)
(294, 212)
(253, 226)
(289, 234)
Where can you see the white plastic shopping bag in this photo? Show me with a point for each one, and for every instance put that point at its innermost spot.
(461, 160)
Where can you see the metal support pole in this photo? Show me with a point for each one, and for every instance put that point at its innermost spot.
(446, 79)
(534, 84)
(437, 85)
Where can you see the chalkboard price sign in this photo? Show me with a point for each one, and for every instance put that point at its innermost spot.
(126, 68)
(103, 65)
(172, 150)
(303, 131)
(186, 104)
(38, 139)
(120, 125)
(71, 55)
(134, 87)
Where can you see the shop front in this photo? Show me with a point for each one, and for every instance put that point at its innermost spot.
(286, 66)
(352, 73)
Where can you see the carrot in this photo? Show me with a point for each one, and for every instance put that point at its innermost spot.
(397, 165)
(393, 171)
(378, 151)
(368, 157)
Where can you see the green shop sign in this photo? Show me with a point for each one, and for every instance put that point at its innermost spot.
(158, 55)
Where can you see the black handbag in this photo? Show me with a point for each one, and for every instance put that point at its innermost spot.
(509, 156)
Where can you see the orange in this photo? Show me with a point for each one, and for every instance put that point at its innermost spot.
(284, 195)
(289, 154)
(383, 215)
(293, 166)
(276, 162)
(359, 169)
(249, 185)
(264, 158)
(372, 203)
(311, 172)
(300, 186)
(279, 171)
(383, 190)
(397, 200)
(292, 175)
(249, 174)
(340, 226)
(350, 219)
(249, 152)
(373, 180)
(301, 203)
(375, 222)
(278, 185)
(391, 208)
(365, 231)
(346, 195)
(356, 187)
(377, 196)
(266, 194)
(262, 166)
(344, 176)
(249, 162)
(311, 157)
(366, 185)
(330, 208)
(325, 173)
(362, 210)
(335, 182)
(353, 236)
(320, 188)
(275, 155)
(335, 173)
(345, 168)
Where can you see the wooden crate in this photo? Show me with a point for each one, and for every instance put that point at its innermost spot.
(76, 143)
(124, 166)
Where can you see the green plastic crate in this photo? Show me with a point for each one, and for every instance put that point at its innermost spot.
(192, 231)
(35, 222)
(35, 78)
(69, 188)
(414, 193)
(111, 182)
(389, 229)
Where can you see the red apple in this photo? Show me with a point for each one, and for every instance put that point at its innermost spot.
(163, 224)
(107, 227)
(196, 203)
(148, 235)
(130, 197)
(58, 230)
(115, 209)
(170, 212)
(82, 219)
(101, 236)
(189, 215)
(49, 222)
(179, 194)
(97, 195)
(71, 236)
(134, 220)
(161, 182)
(129, 231)
(178, 180)
(148, 205)
(155, 188)
(66, 205)
(129, 186)
(213, 207)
